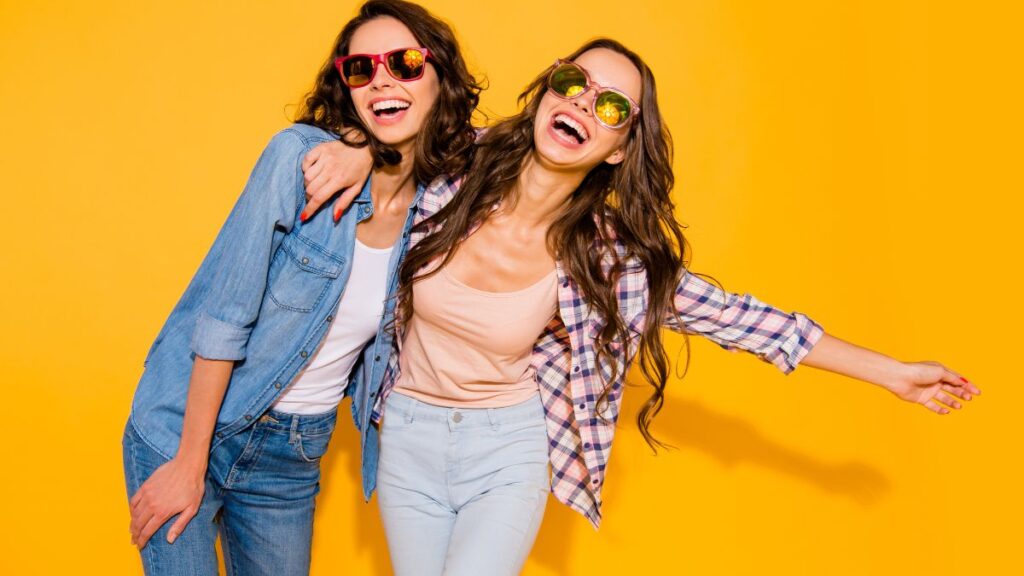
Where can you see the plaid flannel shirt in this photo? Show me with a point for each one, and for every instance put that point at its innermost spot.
(564, 357)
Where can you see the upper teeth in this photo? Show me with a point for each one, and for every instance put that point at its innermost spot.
(386, 104)
(570, 122)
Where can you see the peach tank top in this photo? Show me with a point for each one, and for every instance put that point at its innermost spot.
(470, 348)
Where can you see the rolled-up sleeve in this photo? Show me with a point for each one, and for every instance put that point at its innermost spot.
(241, 254)
(742, 322)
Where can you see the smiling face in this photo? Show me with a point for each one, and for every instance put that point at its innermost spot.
(566, 134)
(394, 111)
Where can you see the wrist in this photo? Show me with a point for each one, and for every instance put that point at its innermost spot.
(192, 463)
(895, 374)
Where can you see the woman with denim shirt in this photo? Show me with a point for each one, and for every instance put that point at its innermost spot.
(565, 216)
(238, 399)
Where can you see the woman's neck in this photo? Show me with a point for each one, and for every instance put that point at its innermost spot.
(392, 186)
(542, 193)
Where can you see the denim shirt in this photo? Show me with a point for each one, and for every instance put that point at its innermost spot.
(264, 297)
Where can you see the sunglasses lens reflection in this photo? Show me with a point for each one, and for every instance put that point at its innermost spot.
(612, 109)
(357, 71)
(406, 64)
(568, 80)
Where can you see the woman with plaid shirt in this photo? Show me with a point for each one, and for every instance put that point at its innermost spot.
(564, 225)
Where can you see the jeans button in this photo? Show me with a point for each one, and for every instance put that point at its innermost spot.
(457, 417)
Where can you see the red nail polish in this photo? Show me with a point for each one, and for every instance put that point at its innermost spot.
(964, 380)
(303, 217)
(337, 215)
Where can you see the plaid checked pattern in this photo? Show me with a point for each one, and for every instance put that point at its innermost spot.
(571, 381)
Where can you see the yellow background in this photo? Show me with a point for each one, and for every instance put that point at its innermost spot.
(856, 161)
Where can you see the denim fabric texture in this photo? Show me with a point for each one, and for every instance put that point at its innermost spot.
(260, 493)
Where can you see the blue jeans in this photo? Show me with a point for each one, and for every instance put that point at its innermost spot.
(261, 484)
(461, 491)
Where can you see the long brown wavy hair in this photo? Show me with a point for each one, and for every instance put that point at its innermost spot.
(445, 142)
(629, 202)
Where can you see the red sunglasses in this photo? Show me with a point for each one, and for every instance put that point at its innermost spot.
(404, 65)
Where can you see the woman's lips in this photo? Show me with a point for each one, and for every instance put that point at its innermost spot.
(561, 137)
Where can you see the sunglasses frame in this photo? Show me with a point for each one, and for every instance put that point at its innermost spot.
(599, 90)
(377, 60)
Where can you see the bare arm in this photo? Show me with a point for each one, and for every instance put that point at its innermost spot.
(177, 486)
(927, 383)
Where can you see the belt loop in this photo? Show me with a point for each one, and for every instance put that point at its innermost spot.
(493, 418)
(293, 432)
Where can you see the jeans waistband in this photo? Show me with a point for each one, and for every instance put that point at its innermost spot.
(303, 423)
(402, 406)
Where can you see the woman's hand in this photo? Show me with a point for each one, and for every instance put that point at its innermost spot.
(174, 488)
(932, 385)
(332, 167)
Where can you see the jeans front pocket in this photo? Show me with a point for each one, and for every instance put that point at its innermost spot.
(301, 273)
(312, 447)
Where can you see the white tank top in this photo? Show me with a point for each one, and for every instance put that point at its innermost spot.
(322, 384)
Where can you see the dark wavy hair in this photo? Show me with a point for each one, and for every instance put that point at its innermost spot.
(629, 202)
(445, 143)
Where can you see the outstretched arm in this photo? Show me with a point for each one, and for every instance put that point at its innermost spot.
(741, 322)
(928, 383)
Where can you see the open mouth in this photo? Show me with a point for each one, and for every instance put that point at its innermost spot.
(391, 108)
(567, 127)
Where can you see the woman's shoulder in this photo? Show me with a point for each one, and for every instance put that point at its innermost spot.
(302, 136)
(439, 192)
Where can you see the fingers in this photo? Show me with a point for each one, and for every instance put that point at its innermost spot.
(345, 200)
(936, 407)
(139, 520)
(958, 391)
(148, 530)
(947, 400)
(315, 197)
(179, 525)
(136, 498)
(308, 176)
(312, 156)
(954, 379)
(967, 384)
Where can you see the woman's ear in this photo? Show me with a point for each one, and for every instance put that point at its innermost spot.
(616, 157)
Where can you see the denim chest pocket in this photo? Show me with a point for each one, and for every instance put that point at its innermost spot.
(301, 273)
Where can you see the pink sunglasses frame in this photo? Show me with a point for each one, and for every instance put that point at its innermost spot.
(599, 88)
(377, 60)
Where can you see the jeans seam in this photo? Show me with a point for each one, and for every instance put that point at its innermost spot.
(147, 553)
(229, 558)
(533, 518)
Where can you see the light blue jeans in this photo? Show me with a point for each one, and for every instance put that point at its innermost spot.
(261, 486)
(461, 491)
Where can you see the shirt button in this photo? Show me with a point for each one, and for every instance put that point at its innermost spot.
(376, 358)
(277, 385)
(583, 406)
(248, 417)
(305, 260)
(329, 318)
(565, 284)
(457, 417)
(594, 481)
(303, 354)
(576, 369)
(220, 434)
(586, 445)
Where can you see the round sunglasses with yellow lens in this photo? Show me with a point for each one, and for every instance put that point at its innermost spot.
(612, 107)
